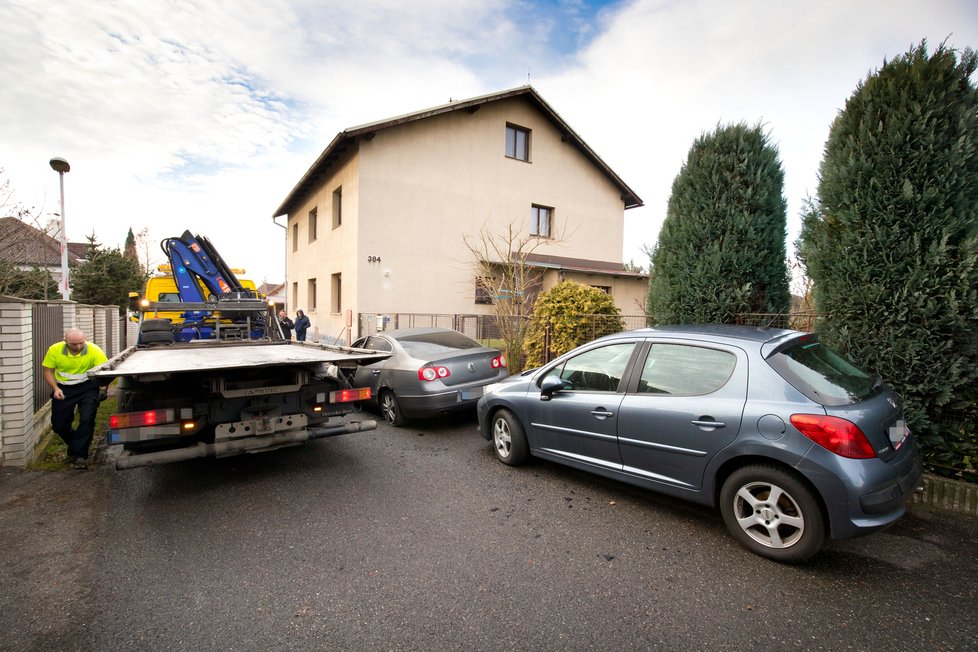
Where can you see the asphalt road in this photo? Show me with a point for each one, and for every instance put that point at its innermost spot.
(417, 539)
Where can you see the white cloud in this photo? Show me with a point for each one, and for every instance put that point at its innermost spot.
(203, 115)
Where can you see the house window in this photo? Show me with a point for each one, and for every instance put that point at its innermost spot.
(295, 236)
(517, 142)
(483, 291)
(295, 294)
(338, 207)
(604, 288)
(336, 293)
(313, 216)
(541, 221)
(311, 290)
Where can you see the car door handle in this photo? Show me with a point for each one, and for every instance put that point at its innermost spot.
(602, 413)
(708, 422)
(375, 372)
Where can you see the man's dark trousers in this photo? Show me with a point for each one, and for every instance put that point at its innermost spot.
(84, 396)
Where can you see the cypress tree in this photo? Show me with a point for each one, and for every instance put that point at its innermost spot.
(721, 250)
(890, 243)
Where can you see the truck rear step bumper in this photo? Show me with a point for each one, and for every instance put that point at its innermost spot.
(129, 460)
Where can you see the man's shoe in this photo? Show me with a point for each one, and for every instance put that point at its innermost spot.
(80, 463)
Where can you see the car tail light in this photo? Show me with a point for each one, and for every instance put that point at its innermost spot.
(844, 438)
(433, 373)
(139, 419)
(499, 362)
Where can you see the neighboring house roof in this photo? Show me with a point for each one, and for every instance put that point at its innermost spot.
(341, 146)
(599, 267)
(272, 289)
(22, 244)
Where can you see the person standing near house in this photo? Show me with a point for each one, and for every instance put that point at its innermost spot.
(286, 324)
(64, 370)
(301, 325)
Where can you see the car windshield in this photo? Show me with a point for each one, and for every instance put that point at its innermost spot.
(823, 375)
(427, 344)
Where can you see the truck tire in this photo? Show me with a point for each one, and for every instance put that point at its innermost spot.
(153, 325)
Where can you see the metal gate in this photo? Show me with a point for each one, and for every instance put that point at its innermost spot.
(48, 323)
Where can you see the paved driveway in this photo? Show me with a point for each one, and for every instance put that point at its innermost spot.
(416, 538)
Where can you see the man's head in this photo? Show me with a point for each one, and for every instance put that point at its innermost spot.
(282, 314)
(75, 339)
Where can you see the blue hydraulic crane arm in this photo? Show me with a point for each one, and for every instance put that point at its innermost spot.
(193, 258)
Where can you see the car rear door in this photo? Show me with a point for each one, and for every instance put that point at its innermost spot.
(369, 375)
(685, 403)
(580, 422)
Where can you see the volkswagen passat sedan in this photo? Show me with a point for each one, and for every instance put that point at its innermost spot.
(431, 371)
(793, 442)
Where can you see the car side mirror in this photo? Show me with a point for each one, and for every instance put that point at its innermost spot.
(549, 385)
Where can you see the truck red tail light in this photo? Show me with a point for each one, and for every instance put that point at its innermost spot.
(499, 362)
(349, 395)
(140, 419)
(844, 438)
(433, 373)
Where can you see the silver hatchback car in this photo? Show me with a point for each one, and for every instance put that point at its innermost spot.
(793, 442)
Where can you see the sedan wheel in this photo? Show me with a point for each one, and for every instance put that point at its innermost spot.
(772, 513)
(390, 409)
(508, 438)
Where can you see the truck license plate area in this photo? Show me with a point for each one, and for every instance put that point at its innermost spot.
(260, 426)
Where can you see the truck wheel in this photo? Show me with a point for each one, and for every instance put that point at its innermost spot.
(390, 409)
(152, 325)
(772, 513)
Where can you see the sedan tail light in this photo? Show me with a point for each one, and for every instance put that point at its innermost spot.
(844, 438)
(499, 362)
(433, 373)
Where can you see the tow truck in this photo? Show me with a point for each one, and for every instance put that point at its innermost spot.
(221, 379)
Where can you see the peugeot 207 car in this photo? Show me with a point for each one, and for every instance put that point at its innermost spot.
(793, 442)
(431, 371)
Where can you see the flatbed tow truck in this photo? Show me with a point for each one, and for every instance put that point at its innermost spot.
(223, 380)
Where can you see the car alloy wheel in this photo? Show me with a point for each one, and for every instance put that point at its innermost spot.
(508, 438)
(390, 409)
(772, 513)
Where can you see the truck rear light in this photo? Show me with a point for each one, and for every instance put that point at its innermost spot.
(499, 362)
(139, 419)
(433, 373)
(844, 438)
(349, 395)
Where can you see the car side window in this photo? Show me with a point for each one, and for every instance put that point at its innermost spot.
(378, 344)
(597, 370)
(682, 370)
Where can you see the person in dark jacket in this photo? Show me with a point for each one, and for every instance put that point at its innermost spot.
(301, 325)
(286, 324)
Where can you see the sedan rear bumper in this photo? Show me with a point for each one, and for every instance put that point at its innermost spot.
(428, 405)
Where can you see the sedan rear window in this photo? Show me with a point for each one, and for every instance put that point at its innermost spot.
(427, 344)
(823, 375)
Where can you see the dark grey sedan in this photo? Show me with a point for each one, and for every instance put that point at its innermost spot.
(793, 442)
(431, 371)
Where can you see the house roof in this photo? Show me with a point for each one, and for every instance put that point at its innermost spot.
(342, 145)
(598, 267)
(22, 244)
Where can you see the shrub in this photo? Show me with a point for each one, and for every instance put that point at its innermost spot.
(568, 315)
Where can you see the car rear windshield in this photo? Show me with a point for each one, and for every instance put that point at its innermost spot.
(823, 375)
(425, 344)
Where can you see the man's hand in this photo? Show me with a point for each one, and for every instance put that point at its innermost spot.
(57, 394)
(103, 394)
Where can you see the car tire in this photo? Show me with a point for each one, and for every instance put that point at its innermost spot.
(390, 409)
(772, 513)
(508, 438)
(152, 325)
(156, 337)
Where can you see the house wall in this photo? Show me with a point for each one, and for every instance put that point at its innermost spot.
(414, 192)
(429, 184)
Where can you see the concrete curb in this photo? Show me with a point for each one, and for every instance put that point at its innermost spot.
(948, 494)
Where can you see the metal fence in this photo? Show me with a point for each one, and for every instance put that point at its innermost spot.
(48, 321)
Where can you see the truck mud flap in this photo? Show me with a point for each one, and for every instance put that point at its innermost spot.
(129, 460)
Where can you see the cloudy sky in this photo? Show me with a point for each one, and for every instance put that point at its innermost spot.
(203, 114)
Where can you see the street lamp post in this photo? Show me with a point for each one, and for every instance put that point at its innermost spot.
(61, 166)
